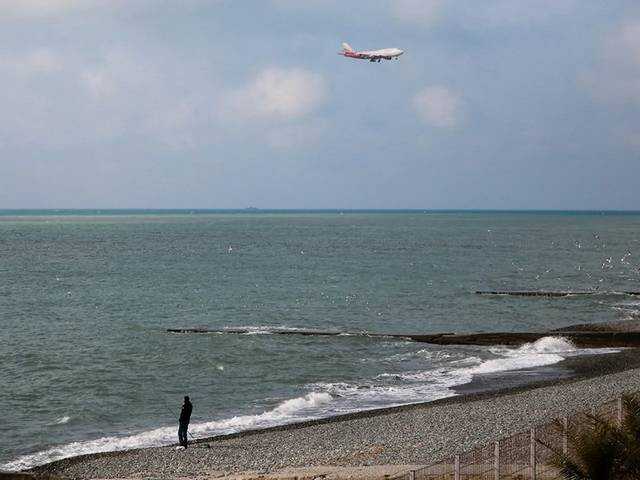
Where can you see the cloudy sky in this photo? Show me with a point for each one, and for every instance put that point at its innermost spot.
(232, 103)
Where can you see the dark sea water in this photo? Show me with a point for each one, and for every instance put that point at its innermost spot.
(85, 298)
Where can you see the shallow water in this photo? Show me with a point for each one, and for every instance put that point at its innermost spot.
(85, 300)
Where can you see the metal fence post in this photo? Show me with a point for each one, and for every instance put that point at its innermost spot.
(533, 454)
(565, 434)
(496, 461)
(456, 468)
(620, 411)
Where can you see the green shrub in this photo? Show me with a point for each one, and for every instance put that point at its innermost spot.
(601, 449)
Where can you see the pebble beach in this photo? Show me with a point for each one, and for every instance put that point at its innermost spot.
(376, 443)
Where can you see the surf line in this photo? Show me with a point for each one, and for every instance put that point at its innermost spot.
(581, 339)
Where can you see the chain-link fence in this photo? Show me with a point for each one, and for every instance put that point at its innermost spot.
(523, 456)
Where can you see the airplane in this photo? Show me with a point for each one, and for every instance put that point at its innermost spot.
(371, 55)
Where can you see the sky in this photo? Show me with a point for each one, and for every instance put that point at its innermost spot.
(496, 104)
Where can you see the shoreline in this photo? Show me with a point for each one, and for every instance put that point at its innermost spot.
(563, 376)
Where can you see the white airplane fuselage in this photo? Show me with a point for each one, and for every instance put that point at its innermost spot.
(371, 55)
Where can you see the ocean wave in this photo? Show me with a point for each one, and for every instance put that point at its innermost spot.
(630, 303)
(515, 362)
(547, 345)
(351, 397)
(424, 354)
(392, 388)
(543, 352)
(61, 420)
(629, 310)
(467, 361)
(299, 408)
(330, 398)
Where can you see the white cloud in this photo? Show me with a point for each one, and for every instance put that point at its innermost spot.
(424, 12)
(37, 8)
(279, 93)
(39, 61)
(136, 96)
(277, 106)
(498, 13)
(475, 14)
(438, 106)
(42, 61)
(57, 101)
(98, 83)
(616, 77)
(47, 8)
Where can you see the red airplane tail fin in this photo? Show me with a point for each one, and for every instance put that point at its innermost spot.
(347, 48)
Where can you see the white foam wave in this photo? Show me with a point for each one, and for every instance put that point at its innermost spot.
(358, 397)
(543, 352)
(271, 329)
(560, 346)
(294, 405)
(293, 409)
(547, 345)
(386, 389)
(467, 361)
(62, 420)
(254, 330)
(422, 354)
(513, 363)
(432, 384)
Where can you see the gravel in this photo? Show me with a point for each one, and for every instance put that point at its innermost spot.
(416, 435)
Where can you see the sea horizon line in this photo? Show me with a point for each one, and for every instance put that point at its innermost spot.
(255, 210)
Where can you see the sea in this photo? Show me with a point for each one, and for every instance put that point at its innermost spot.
(87, 296)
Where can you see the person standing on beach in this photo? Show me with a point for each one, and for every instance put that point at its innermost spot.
(185, 416)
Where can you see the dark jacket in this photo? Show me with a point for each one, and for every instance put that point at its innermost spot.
(185, 413)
